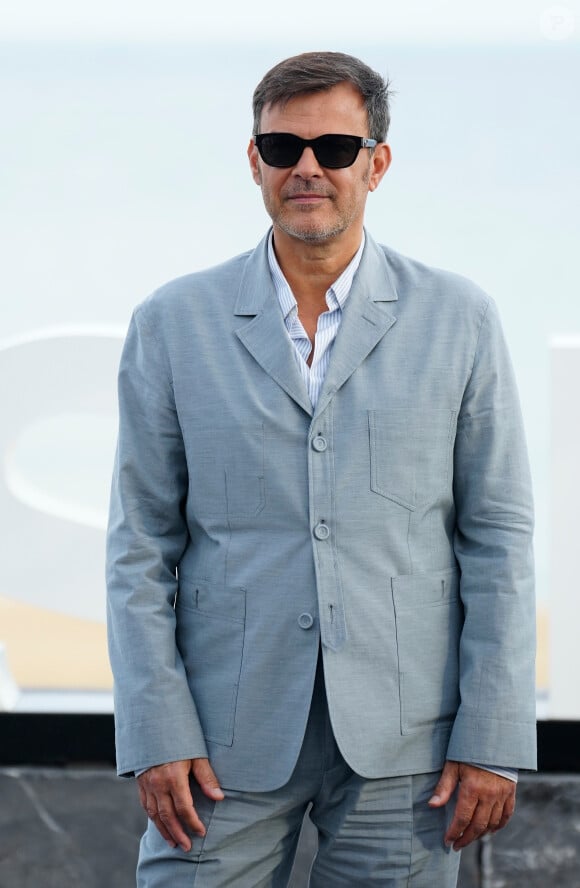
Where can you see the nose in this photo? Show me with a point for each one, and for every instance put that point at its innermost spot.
(307, 166)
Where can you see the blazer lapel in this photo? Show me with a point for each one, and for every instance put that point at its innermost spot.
(263, 333)
(365, 321)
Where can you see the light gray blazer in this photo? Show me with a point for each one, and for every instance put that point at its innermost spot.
(392, 524)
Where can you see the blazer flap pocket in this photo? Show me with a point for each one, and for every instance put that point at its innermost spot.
(212, 599)
(425, 589)
(428, 617)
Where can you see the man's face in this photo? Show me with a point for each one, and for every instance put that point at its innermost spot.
(307, 201)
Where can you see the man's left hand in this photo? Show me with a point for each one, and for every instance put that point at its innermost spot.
(485, 802)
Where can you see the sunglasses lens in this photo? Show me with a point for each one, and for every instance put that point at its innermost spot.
(336, 152)
(280, 149)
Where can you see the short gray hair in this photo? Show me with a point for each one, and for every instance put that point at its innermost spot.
(319, 71)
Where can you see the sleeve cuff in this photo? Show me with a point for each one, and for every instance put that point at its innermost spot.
(508, 773)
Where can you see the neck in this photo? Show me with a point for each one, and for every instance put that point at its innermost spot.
(311, 268)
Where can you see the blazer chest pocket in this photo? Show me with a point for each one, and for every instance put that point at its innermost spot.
(210, 638)
(226, 472)
(410, 453)
(428, 619)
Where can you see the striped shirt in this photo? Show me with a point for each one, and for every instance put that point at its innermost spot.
(328, 321)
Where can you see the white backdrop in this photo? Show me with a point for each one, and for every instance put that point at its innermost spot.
(123, 165)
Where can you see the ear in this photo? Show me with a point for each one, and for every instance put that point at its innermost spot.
(254, 159)
(380, 163)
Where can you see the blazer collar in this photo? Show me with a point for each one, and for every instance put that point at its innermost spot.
(365, 321)
(256, 283)
(263, 332)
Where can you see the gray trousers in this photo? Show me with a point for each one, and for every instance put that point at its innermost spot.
(371, 832)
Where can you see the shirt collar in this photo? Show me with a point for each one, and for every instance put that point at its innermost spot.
(337, 293)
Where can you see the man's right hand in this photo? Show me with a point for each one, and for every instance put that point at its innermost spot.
(165, 795)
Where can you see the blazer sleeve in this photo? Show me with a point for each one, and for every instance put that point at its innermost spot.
(495, 724)
(155, 716)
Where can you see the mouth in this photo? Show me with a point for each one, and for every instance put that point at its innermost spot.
(307, 197)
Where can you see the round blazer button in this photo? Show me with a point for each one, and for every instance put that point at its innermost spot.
(319, 443)
(321, 532)
(305, 621)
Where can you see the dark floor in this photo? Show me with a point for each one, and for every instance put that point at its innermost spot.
(76, 828)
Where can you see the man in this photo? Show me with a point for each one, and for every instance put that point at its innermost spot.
(320, 568)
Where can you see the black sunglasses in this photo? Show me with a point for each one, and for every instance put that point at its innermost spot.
(332, 151)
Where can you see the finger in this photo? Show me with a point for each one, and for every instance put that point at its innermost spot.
(157, 811)
(462, 816)
(170, 803)
(496, 817)
(508, 809)
(475, 829)
(163, 831)
(206, 778)
(149, 803)
(446, 785)
(142, 795)
(174, 817)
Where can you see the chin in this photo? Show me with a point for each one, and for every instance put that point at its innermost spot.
(312, 234)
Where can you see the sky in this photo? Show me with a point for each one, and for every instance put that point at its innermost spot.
(404, 21)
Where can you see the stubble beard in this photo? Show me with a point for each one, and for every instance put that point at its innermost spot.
(312, 231)
(316, 232)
